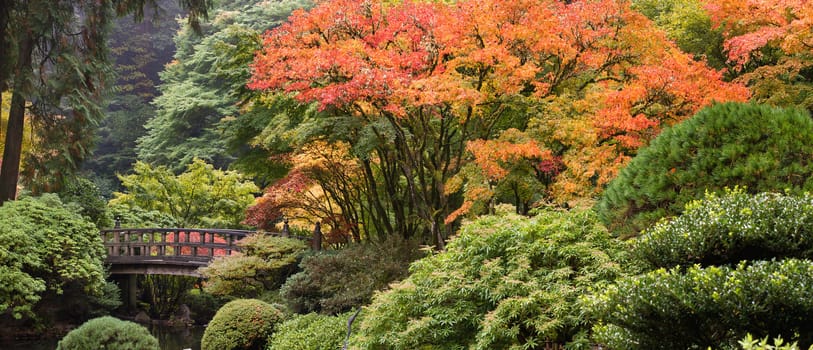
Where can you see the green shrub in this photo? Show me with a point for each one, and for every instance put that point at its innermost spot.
(201, 196)
(241, 324)
(265, 263)
(202, 305)
(108, 333)
(729, 228)
(74, 305)
(312, 332)
(44, 248)
(504, 282)
(109, 300)
(164, 293)
(137, 217)
(696, 308)
(332, 282)
(749, 343)
(758, 147)
(87, 196)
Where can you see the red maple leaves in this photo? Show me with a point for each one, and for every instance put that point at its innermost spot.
(596, 79)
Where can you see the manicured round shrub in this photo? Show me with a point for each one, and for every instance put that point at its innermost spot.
(241, 324)
(109, 333)
(729, 228)
(504, 282)
(761, 148)
(203, 306)
(712, 307)
(312, 332)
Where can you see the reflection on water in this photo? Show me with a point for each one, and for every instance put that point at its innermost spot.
(170, 338)
(178, 338)
(29, 345)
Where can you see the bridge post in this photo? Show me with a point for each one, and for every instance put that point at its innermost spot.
(317, 236)
(132, 292)
(285, 229)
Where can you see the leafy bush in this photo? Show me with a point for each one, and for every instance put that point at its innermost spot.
(730, 228)
(696, 308)
(109, 300)
(332, 282)
(87, 196)
(201, 196)
(312, 332)
(202, 305)
(43, 248)
(108, 333)
(264, 264)
(132, 216)
(504, 282)
(758, 147)
(74, 305)
(749, 343)
(241, 324)
(164, 293)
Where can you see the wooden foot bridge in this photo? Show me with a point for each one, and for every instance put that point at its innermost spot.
(175, 251)
(166, 251)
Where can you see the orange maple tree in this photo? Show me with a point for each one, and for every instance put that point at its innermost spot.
(431, 85)
(318, 188)
(770, 47)
(750, 25)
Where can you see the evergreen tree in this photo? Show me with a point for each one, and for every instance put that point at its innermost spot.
(206, 83)
(58, 72)
(139, 51)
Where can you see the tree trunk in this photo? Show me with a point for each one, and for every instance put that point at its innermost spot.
(10, 169)
(5, 62)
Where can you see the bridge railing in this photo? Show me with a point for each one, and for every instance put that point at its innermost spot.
(180, 243)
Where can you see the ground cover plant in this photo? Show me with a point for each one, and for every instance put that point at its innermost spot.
(312, 332)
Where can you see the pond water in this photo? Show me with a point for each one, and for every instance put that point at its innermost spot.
(170, 338)
(178, 338)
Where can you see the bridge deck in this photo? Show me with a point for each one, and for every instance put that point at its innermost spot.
(173, 251)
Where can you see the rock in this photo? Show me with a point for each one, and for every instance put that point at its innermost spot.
(142, 317)
(183, 316)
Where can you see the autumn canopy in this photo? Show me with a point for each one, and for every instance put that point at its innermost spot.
(532, 100)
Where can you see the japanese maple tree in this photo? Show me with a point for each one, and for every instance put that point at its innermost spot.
(770, 46)
(320, 187)
(425, 87)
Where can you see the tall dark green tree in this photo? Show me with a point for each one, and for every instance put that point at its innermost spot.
(57, 68)
(206, 82)
(139, 50)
